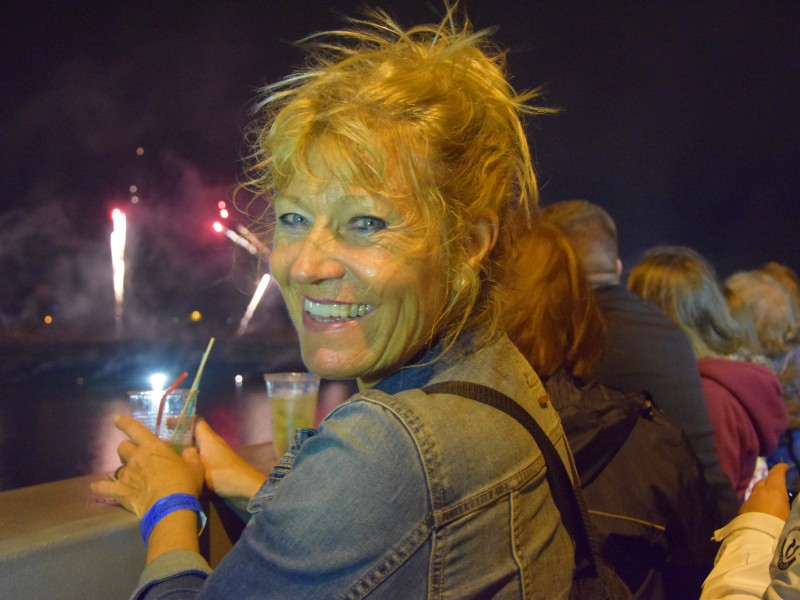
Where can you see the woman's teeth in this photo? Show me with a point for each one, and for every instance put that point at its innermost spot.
(335, 312)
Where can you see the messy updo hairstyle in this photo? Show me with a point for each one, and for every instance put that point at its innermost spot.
(685, 286)
(429, 109)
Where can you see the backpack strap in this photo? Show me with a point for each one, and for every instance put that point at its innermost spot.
(566, 496)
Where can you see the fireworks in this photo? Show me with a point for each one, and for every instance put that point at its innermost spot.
(251, 237)
(118, 263)
(248, 314)
(235, 238)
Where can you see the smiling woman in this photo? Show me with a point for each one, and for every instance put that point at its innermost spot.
(362, 284)
(398, 174)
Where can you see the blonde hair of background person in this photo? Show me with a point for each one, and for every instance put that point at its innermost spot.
(550, 291)
(770, 307)
(789, 280)
(685, 286)
(391, 104)
(743, 399)
(750, 346)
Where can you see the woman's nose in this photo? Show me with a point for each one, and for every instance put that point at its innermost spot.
(317, 259)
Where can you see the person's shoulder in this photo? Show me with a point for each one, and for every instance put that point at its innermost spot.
(638, 332)
(375, 403)
(752, 385)
(619, 299)
(720, 367)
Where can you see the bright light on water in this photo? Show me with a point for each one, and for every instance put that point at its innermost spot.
(157, 381)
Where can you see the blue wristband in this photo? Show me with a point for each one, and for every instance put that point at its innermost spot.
(167, 505)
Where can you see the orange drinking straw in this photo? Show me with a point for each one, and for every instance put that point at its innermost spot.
(170, 389)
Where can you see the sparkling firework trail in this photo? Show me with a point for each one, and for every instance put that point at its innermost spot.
(251, 237)
(235, 238)
(118, 263)
(262, 286)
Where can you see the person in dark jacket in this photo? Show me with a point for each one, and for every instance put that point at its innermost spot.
(643, 349)
(641, 480)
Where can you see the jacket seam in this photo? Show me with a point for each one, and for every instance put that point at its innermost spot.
(609, 515)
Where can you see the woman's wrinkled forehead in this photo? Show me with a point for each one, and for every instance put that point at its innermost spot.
(323, 165)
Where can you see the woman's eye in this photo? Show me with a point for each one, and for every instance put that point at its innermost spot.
(367, 224)
(293, 220)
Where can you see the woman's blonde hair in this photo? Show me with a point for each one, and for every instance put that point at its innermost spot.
(429, 108)
(750, 345)
(789, 280)
(553, 318)
(770, 307)
(685, 286)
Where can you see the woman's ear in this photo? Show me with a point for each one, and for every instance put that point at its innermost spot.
(483, 230)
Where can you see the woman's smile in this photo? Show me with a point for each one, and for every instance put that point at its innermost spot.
(328, 311)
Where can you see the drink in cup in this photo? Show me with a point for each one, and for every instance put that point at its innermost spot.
(177, 419)
(293, 402)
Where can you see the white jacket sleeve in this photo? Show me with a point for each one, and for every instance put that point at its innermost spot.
(742, 567)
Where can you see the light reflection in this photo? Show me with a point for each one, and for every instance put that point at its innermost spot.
(157, 381)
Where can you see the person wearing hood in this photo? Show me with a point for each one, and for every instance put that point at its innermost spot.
(744, 399)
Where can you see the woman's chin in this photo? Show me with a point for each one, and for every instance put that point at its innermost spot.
(330, 367)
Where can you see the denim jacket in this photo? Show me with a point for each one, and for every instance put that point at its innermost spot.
(403, 495)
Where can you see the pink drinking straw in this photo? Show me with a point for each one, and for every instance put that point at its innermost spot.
(170, 389)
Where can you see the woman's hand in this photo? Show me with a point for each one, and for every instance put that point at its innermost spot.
(227, 474)
(769, 495)
(150, 471)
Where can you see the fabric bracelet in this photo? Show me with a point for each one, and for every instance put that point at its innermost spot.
(167, 505)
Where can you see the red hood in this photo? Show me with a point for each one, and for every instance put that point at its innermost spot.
(757, 389)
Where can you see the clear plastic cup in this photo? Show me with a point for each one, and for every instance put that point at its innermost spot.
(177, 420)
(293, 405)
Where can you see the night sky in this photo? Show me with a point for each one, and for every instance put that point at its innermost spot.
(681, 118)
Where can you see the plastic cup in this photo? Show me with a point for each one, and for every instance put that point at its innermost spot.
(177, 425)
(293, 405)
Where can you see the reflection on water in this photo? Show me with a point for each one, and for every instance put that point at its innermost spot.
(57, 404)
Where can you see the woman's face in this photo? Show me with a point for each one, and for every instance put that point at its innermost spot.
(362, 281)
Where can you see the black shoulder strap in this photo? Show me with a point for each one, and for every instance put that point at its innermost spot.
(567, 498)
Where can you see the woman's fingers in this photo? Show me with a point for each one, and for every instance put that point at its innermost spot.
(776, 478)
(769, 495)
(133, 429)
(125, 449)
(204, 434)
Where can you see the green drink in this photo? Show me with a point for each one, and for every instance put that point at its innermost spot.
(293, 402)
